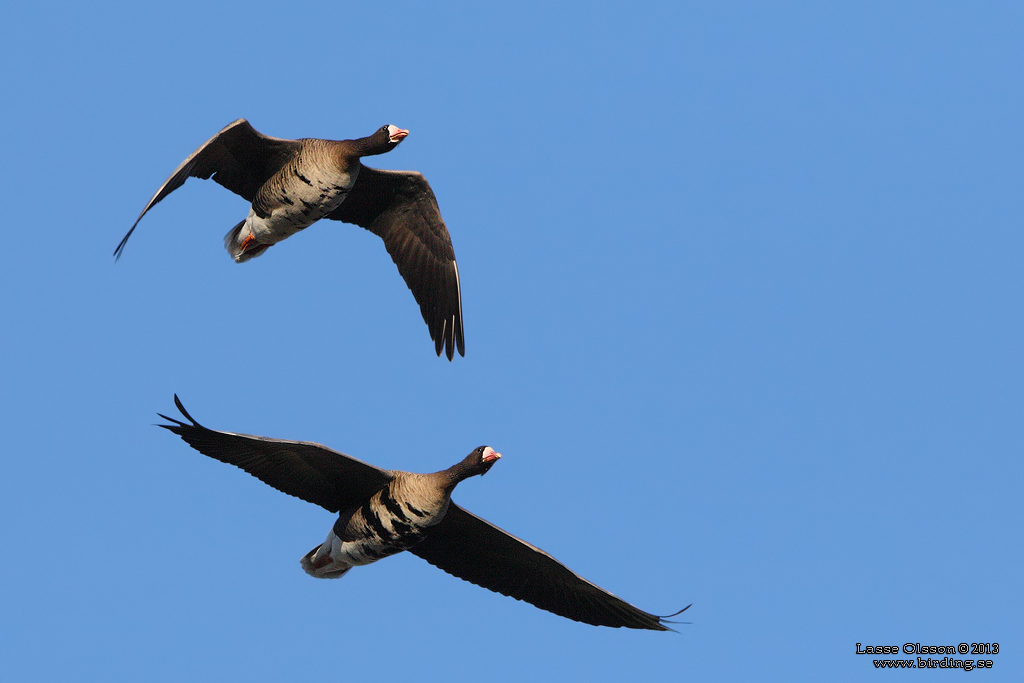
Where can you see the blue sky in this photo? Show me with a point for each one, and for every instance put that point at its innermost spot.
(742, 288)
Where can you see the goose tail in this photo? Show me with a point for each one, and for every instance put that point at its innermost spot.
(322, 567)
(241, 244)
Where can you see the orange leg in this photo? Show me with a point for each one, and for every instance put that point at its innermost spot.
(246, 242)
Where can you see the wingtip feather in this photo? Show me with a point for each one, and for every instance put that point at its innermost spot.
(675, 614)
(120, 247)
(177, 423)
(177, 402)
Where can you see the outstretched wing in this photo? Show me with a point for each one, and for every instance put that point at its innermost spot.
(238, 157)
(309, 471)
(400, 208)
(479, 552)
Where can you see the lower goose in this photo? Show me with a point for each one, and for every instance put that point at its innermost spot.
(383, 512)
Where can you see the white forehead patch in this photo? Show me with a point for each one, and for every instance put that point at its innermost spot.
(490, 454)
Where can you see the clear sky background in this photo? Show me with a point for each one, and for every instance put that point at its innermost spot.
(742, 287)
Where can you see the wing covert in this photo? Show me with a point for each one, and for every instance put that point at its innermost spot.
(239, 158)
(302, 469)
(475, 550)
(400, 208)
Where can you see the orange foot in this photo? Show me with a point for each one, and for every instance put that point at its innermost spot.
(246, 242)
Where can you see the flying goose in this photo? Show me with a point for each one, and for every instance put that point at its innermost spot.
(292, 184)
(383, 512)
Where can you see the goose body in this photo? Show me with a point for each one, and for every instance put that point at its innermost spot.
(309, 187)
(383, 512)
(392, 520)
(292, 184)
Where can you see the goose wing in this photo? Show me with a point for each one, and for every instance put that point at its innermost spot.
(475, 550)
(239, 158)
(309, 471)
(400, 208)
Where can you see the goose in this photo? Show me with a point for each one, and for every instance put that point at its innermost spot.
(292, 184)
(383, 512)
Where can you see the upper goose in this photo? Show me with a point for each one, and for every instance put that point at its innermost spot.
(291, 184)
(383, 512)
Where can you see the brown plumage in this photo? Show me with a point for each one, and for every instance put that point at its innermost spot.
(291, 184)
(383, 512)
